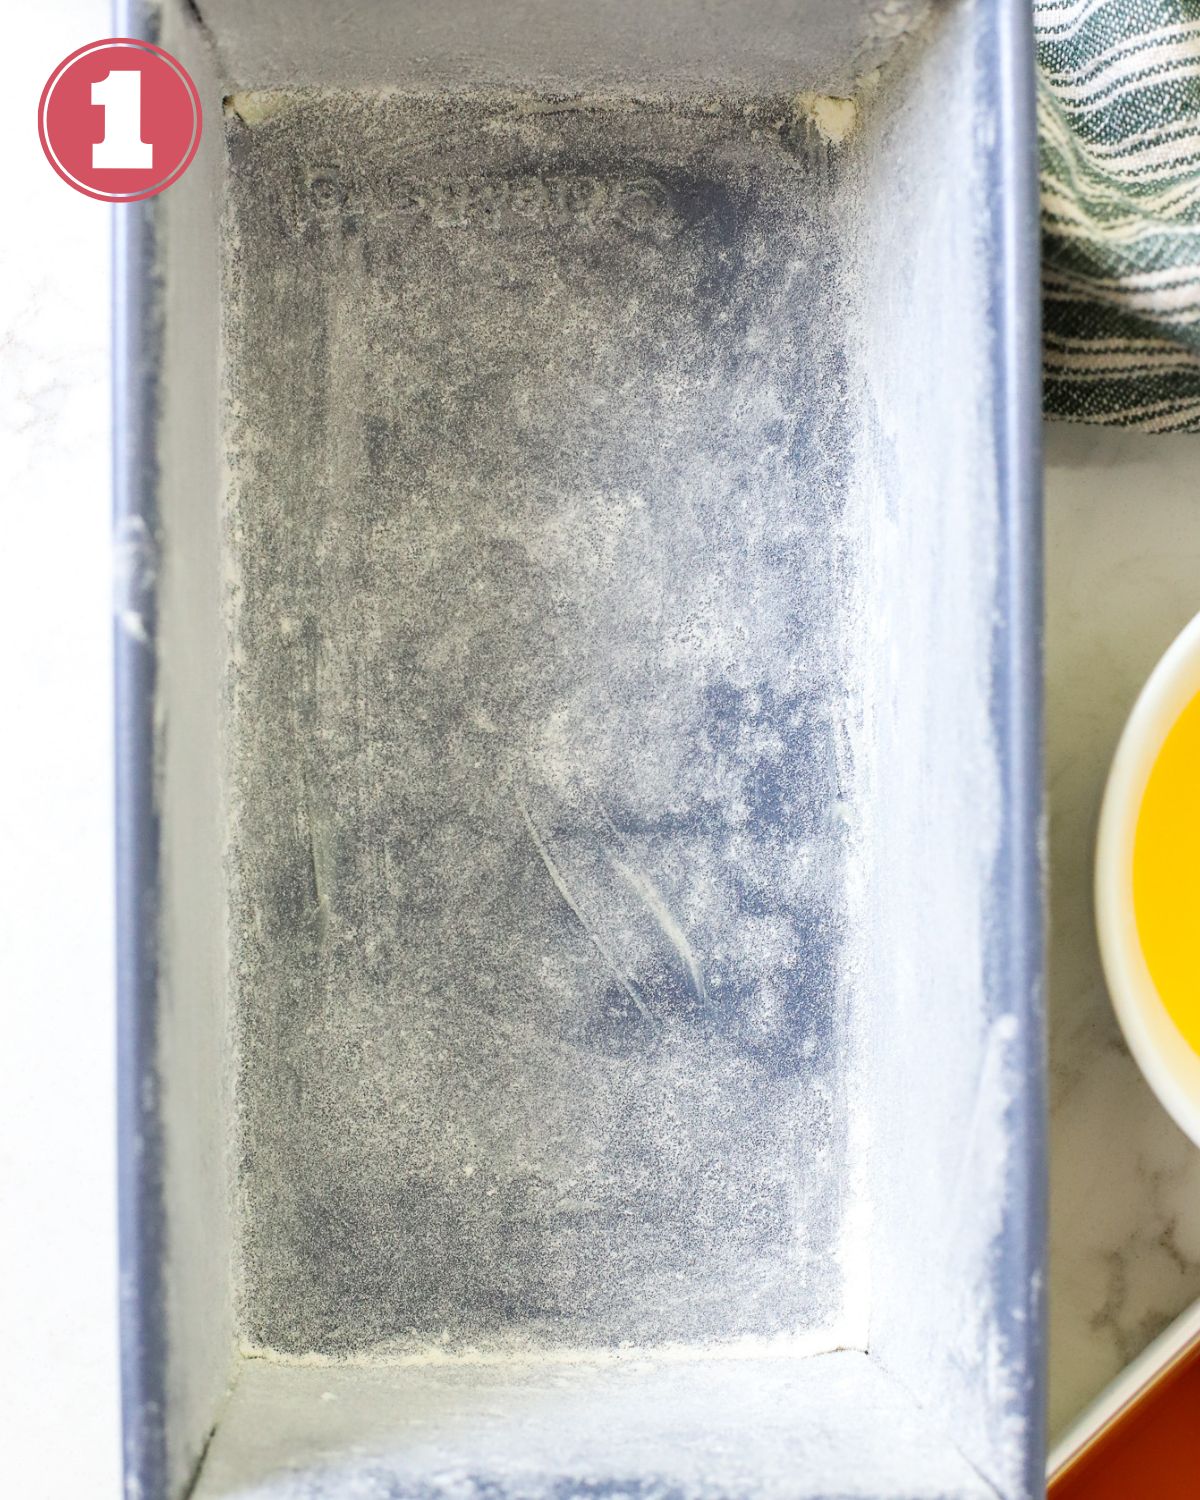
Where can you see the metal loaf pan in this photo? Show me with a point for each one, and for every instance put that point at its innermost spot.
(579, 709)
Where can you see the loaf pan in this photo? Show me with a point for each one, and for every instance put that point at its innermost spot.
(579, 714)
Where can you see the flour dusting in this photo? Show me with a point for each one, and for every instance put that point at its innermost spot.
(544, 650)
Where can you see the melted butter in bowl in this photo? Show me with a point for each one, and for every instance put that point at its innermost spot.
(1148, 880)
(1166, 873)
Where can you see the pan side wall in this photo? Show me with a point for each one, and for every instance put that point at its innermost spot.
(949, 473)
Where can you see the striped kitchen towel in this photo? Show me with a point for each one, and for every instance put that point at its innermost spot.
(1119, 127)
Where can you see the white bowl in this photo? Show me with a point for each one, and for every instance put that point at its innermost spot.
(1169, 1063)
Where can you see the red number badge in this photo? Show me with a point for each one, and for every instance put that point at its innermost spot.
(120, 120)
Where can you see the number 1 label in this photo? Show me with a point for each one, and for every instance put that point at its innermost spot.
(119, 94)
(120, 120)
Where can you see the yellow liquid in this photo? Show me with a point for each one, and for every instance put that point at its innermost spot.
(1166, 873)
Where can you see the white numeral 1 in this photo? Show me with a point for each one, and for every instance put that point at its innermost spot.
(119, 94)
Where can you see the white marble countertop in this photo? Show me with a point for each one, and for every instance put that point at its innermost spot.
(58, 1292)
(1122, 578)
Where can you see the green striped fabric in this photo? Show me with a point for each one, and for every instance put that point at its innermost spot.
(1119, 126)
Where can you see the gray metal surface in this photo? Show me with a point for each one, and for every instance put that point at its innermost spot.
(543, 775)
(764, 45)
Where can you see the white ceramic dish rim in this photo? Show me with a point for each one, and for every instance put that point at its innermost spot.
(1153, 1362)
(1168, 1062)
